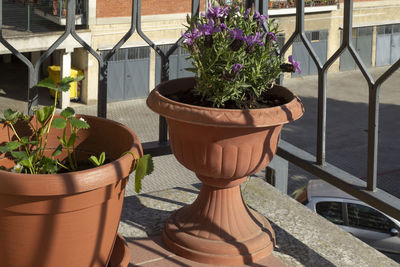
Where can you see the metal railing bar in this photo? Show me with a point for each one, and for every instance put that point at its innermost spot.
(321, 117)
(163, 128)
(142, 34)
(289, 42)
(195, 7)
(367, 75)
(334, 57)
(352, 185)
(155, 149)
(388, 73)
(373, 127)
(311, 50)
(32, 92)
(125, 38)
(348, 40)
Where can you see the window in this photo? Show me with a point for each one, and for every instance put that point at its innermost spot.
(331, 211)
(121, 54)
(365, 217)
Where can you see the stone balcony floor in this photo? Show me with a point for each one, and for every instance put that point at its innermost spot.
(303, 238)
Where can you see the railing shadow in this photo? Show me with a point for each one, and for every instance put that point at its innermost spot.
(151, 221)
(289, 245)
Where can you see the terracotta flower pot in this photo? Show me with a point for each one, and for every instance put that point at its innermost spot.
(68, 219)
(222, 147)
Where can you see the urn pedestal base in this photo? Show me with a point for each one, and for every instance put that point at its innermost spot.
(219, 228)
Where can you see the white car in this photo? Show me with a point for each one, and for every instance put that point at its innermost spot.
(352, 215)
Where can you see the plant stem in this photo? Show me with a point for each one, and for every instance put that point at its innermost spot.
(50, 121)
(63, 166)
(31, 169)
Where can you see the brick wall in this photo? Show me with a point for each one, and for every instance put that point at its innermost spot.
(123, 8)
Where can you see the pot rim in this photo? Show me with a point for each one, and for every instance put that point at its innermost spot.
(72, 182)
(262, 117)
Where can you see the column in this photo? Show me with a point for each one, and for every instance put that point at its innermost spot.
(65, 71)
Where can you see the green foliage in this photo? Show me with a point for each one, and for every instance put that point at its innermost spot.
(233, 52)
(98, 161)
(28, 151)
(78, 123)
(142, 166)
(48, 83)
(68, 112)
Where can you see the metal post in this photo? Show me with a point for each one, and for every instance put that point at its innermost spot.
(321, 124)
(277, 173)
(373, 126)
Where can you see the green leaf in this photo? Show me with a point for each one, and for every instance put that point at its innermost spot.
(19, 155)
(59, 123)
(71, 140)
(57, 151)
(4, 149)
(102, 158)
(14, 145)
(65, 82)
(144, 166)
(47, 165)
(25, 163)
(62, 141)
(68, 112)
(44, 113)
(48, 83)
(78, 123)
(11, 115)
(94, 161)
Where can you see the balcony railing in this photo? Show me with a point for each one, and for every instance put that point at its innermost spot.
(314, 164)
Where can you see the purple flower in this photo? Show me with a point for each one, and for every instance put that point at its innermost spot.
(217, 12)
(208, 29)
(271, 35)
(295, 64)
(259, 17)
(222, 27)
(251, 40)
(236, 34)
(236, 68)
(191, 36)
(246, 13)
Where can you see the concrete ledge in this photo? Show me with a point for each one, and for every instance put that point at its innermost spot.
(303, 238)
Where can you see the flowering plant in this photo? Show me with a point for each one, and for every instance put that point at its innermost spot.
(31, 154)
(233, 53)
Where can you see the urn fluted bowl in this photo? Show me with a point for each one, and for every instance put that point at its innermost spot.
(222, 147)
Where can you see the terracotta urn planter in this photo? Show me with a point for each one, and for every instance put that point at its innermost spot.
(67, 219)
(222, 147)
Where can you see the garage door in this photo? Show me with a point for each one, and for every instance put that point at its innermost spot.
(387, 44)
(128, 74)
(362, 41)
(177, 64)
(319, 42)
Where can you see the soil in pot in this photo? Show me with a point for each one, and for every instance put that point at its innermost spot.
(266, 100)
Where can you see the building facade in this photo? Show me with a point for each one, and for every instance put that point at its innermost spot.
(135, 69)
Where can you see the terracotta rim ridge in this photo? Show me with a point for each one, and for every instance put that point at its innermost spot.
(72, 182)
(223, 117)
